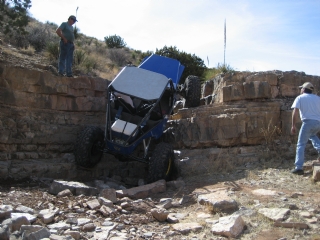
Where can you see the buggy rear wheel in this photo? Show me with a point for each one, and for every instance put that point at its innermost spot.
(161, 163)
(192, 88)
(89, 147)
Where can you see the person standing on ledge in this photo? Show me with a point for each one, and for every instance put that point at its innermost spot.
(65, 32)
(308, 106)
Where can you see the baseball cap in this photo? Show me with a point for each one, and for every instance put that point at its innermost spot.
(74, 18)
(307, 85)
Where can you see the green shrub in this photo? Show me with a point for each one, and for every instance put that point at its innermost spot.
(52, 25)
(17, 39)
(79, 43)
(145, 54)
(79, 57)
(13, 16)
(89, 41)
(193, 64)
(76, 32)
(224, 68)
(99, 47)
(52, 49)
(39, 36)
(118, 56)
(111, 66)
(89, 64)
(83, 62)
(220, 69)
(36, 35)
(114, 41)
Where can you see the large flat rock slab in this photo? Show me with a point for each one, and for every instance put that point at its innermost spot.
(219, 200)
(76, 188)
(143, 191)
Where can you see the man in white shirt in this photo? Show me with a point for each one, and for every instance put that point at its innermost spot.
(307, 105)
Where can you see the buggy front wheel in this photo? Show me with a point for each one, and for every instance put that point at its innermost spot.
(89, 147)
(161, 163)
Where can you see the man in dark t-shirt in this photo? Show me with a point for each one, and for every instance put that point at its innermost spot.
(65, 32)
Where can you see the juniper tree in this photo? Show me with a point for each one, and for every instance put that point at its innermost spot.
(13, 15)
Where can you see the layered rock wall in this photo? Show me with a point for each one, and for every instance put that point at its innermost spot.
(40, 116)
(241, 108)
(262, 85)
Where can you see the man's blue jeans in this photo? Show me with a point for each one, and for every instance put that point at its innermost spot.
(66, 58)
(308, 130)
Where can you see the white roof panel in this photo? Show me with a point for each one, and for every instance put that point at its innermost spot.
(140, 83)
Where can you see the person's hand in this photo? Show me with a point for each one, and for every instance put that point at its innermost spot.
(65, 40)
(293, 129)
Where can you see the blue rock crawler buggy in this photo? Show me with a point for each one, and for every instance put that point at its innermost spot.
(139, 103)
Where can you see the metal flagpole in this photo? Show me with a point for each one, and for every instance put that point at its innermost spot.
(76, 14)
(225, 40)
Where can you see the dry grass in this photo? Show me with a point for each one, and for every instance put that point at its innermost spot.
(98, 62)
(270, 133)
(251, 175)
(28, 51)
(224, 164)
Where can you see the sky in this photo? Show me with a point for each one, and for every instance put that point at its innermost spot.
(260, 35)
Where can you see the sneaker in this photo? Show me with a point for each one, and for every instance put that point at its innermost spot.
(69, 75)
(297, 171)
(61, 74)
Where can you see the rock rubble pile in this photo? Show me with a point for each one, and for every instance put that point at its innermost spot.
(74, 210)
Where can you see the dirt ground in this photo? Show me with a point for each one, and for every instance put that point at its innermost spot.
(298, 193)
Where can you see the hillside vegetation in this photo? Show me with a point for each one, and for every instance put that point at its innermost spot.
(97, 58)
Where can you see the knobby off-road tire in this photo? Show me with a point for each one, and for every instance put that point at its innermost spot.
(192, 88)
(161, 163)
(89, 146)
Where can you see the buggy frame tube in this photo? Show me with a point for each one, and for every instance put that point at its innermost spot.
(145, 118)
(146, 147)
